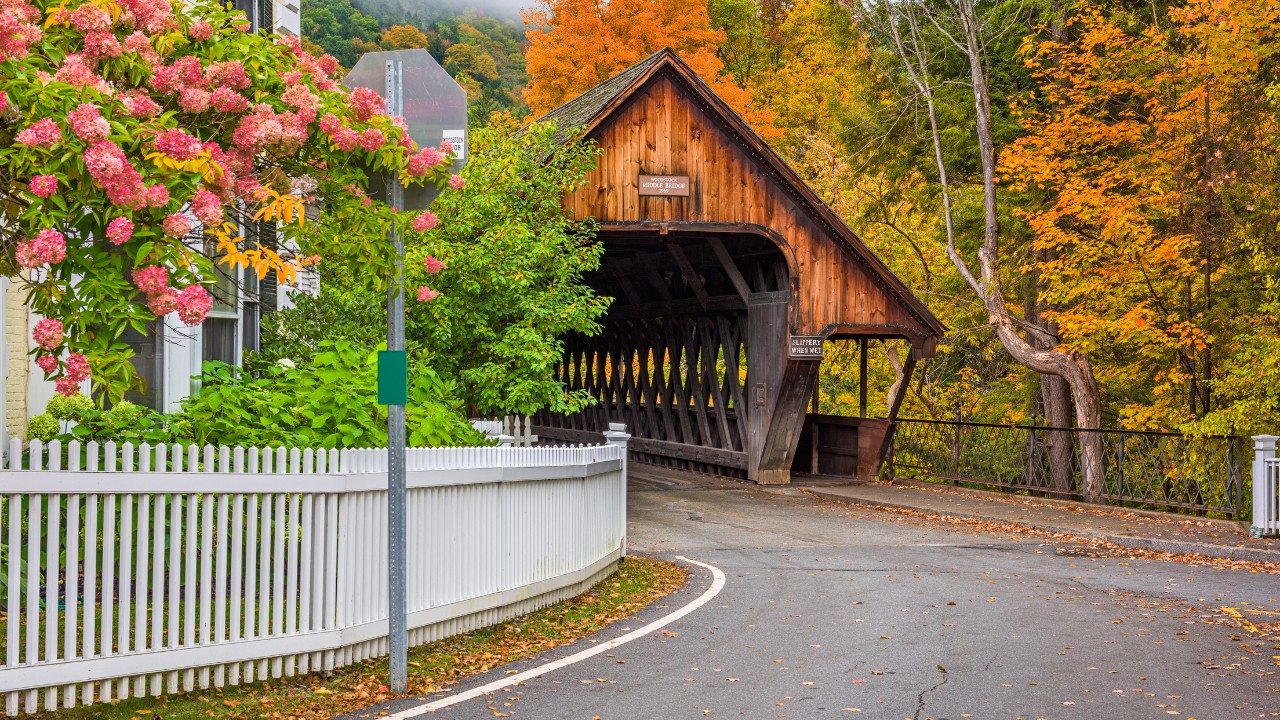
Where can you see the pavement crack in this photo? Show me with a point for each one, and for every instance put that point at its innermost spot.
(920, 697)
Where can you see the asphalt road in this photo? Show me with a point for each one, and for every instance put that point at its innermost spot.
(830, 611)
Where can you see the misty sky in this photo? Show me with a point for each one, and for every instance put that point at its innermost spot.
(506, 9)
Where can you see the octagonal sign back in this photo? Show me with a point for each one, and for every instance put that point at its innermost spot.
(434, 108)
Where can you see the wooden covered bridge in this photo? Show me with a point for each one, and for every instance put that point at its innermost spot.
(728, 272)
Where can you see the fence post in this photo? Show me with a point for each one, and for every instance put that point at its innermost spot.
(1266, 498)
(617, 435)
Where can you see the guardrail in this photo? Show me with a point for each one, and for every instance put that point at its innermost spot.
(1163, 470)
(154, 570)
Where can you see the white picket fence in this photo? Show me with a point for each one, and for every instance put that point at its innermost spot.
(154, 570)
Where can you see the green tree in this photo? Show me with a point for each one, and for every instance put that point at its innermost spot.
(513, 286)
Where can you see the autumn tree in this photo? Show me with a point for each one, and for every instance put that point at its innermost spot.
(404, 37)
(1149, 144)
(576, 44)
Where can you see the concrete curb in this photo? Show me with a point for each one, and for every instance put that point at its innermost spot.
(1222, 552)
(1234, 525)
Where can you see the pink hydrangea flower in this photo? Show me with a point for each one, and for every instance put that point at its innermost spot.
(425, 294)
(157, 195)
(193, 304)
(152, 16)
(365, 103)
(4, 101)
(47, 363)
(300, 96)
(18, 29)
(140, 105)
(433, 265)
(77, 367)
(44, 185)
(446, 147)
(229, 74)
(151, 279)
(88, 18)
(200, 31)
(190, 71)
(47, 333)
(457, 182)
(75, 71)
(193, 99)
(87, 123)
(424, 221)
(330, 123)
(101, 44)
(162, 304)
(328, 64)
(46, 248)
(346, 139)
(226, 100)
(138, 42)
(176, 225)
(372, 139)
(248, 187)
(41, 133)
(119, 230)
(66, 386)
(177, 144)
(207, 207)
(108, 165)
(420, 163)
(164, 79)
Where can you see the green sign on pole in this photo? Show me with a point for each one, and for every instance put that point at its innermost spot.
(393, 377)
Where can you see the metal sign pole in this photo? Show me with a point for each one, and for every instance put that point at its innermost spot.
(398, 637)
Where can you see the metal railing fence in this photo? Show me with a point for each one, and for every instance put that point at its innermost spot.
(1162, 470)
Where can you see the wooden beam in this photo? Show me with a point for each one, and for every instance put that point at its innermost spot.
(693, 453)
(690, 275)
(716, 304)
(627, 288)
(907, 370)
(730, 267)
(862, 377)
(655, 277)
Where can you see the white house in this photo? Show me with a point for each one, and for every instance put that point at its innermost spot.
(169, 357)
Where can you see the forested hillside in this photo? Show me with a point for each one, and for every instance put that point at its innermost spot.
(482, 48)
(1083, 191)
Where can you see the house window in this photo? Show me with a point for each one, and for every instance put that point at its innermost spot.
(222, 324)
(148, 364)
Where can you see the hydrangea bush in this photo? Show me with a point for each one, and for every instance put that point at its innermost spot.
(135, 134)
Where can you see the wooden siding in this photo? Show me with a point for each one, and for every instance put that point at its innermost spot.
(664, 129)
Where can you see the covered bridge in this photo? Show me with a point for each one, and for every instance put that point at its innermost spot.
(728, 273)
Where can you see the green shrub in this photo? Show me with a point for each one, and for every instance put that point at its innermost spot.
(63, 407)
(329, 402)
(43, 427)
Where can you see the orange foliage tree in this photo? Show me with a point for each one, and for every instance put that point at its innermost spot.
(575, 44)
(1148, 146)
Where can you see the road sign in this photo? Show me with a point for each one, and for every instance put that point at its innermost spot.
(434, 108)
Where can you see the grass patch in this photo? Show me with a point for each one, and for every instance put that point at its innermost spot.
(637, 582)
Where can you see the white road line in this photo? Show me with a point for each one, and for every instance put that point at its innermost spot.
(717, 584)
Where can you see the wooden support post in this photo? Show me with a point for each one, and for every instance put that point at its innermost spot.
(862, 377)
(774, 467)
(766, 346)
(907, 370)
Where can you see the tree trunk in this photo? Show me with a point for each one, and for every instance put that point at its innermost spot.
(1074, 368)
